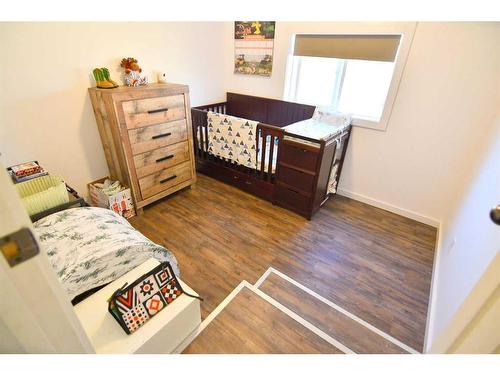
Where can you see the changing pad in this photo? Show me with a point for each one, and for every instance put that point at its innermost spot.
(324, 124)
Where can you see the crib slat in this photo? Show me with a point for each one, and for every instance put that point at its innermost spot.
(263, 155)
(270, 163)
(206, 140)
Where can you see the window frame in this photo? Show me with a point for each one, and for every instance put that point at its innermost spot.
(406, 30)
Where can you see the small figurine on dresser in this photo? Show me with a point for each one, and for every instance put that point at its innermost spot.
(132, 70)
(103, 78)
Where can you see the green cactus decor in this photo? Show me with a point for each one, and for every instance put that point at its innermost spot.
(103, 79)
(107, 76)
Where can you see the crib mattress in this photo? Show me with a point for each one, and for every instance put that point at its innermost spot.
(89, 247)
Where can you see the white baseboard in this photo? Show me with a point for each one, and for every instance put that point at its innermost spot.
(391, 208)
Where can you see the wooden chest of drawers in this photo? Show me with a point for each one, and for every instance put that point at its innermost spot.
(146, 136)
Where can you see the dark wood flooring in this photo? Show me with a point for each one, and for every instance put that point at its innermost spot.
(251, 325)
(352, 334)
(371, 262)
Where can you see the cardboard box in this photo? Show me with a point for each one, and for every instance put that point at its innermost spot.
(120, 202)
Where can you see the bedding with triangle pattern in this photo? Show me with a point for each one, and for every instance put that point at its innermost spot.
(232, 138)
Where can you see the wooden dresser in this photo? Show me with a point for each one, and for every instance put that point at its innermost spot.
(147, 138)
(304, 169)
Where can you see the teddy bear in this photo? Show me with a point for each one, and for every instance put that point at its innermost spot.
(132, 70)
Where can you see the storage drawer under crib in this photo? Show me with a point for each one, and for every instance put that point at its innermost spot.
(155, 136)
(292, 199)
(303, 181)
(161, 158)
(143, 112)
(165, 179)
(297, 156)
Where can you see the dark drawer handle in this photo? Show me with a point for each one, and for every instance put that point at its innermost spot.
(164, 158)
(161, 135)
(168, 179)
(158, 110)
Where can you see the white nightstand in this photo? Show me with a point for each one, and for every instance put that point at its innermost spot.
(162, 334)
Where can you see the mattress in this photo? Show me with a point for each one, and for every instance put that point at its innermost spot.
(89, 247)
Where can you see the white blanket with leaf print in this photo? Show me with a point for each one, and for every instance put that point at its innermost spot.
(90, 247)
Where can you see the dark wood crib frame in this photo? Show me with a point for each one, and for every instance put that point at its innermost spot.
(302, 170)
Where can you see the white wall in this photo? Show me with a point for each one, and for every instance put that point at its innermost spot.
(446, 99)
(470, 240)
(45, 110)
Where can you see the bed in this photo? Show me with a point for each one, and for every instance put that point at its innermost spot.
(89, 247)
(293, 157)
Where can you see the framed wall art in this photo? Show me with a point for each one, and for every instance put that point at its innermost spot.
(253, 47)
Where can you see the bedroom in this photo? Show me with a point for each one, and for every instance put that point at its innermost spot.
(389, 253)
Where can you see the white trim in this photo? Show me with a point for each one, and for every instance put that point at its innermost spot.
(429, 326)
(391, 208)
(279, 306)
(407, 35)
(263, 277)
(209, 318)
(302, 321)
(345, 312)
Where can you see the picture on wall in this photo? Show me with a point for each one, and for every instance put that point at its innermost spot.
(253, 47)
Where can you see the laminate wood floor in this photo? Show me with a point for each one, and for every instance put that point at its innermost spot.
(371, 262)
(352, 334)
(251, 325)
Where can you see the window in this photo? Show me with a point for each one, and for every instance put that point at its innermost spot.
(354, 86)
(355, 74)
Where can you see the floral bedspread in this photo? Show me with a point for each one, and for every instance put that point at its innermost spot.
(89, 247)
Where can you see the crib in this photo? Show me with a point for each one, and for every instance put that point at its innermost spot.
(294, 169)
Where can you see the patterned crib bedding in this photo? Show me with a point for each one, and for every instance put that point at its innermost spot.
(234, 139)
(90, 247)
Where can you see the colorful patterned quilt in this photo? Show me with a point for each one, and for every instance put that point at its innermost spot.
(90, 247)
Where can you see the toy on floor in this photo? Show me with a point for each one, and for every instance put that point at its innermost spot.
(103, 78)
(132, 70)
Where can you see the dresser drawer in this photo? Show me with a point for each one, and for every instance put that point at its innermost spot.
(155, 136)
(143, 112)
(297, 156)
(161, 158)
(297, 179)
(165, 179)
(292, 199)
